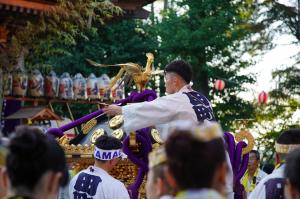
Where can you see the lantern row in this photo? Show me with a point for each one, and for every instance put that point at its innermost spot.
(35, 85)
(262, 96)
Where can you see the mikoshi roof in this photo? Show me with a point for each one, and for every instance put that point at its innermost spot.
(34, 113)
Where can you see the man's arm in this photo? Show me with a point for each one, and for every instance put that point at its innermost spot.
(145, 114)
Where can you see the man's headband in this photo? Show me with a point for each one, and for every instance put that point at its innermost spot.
(101, 154)
(285, 148)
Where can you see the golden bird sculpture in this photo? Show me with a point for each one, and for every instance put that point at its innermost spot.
(132, 71)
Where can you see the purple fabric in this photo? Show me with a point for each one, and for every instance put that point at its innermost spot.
(273, 190)
(58, 132)
(11, 107)
(230, 145)
(238, 163)
(146, 95)
(140, 158)
(242, 162)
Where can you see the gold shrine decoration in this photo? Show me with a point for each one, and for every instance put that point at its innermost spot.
(82, 150)
(156, 136)
(157, 157)
(63, 140)
(97, 133)
(88, 126)
(132, 71)
(250, 139)
(116, 122)
(119, 133)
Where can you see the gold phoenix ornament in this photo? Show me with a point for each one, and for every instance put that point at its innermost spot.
(132, 71)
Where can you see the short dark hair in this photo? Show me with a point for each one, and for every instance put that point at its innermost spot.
(192, 162)
(292, 168)
(256, 153)
(268, 168)
(291, 136)
(182, 68)
(30, 155)
(108, 142)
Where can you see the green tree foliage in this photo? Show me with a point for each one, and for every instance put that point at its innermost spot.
(63, 23)
(278, 115)
(212, 35)
(118, 42)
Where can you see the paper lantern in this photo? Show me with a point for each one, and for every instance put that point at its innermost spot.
(219, 84)
(51, 85)
(263, 97)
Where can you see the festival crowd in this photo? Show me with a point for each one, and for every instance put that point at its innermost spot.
(193, 162)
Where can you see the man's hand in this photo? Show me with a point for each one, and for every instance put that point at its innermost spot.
(113, 110)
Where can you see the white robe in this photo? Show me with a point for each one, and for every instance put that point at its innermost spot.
(259, 191)
(95, 182)
(167, 111)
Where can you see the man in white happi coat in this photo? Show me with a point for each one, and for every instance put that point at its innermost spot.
(272, 186)
(181, 104)
(95, 182)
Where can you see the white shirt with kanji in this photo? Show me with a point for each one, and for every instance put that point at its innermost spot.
(164, 112)
(94, 183)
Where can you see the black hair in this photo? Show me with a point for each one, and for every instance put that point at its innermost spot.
(192, 162)
(256, 153)
(108, 142)
(292, 169)
(182, 68)
(268, 168)
(291, 136)
(30, 155)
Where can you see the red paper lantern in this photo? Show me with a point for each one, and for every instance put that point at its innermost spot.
(219, 84)
(263, 97)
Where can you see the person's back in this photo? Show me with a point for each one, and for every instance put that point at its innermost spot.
(95, 182)
(196, 163)
(36, 165)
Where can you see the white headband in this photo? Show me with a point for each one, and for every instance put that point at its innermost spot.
(101, 154)
(285, 148)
